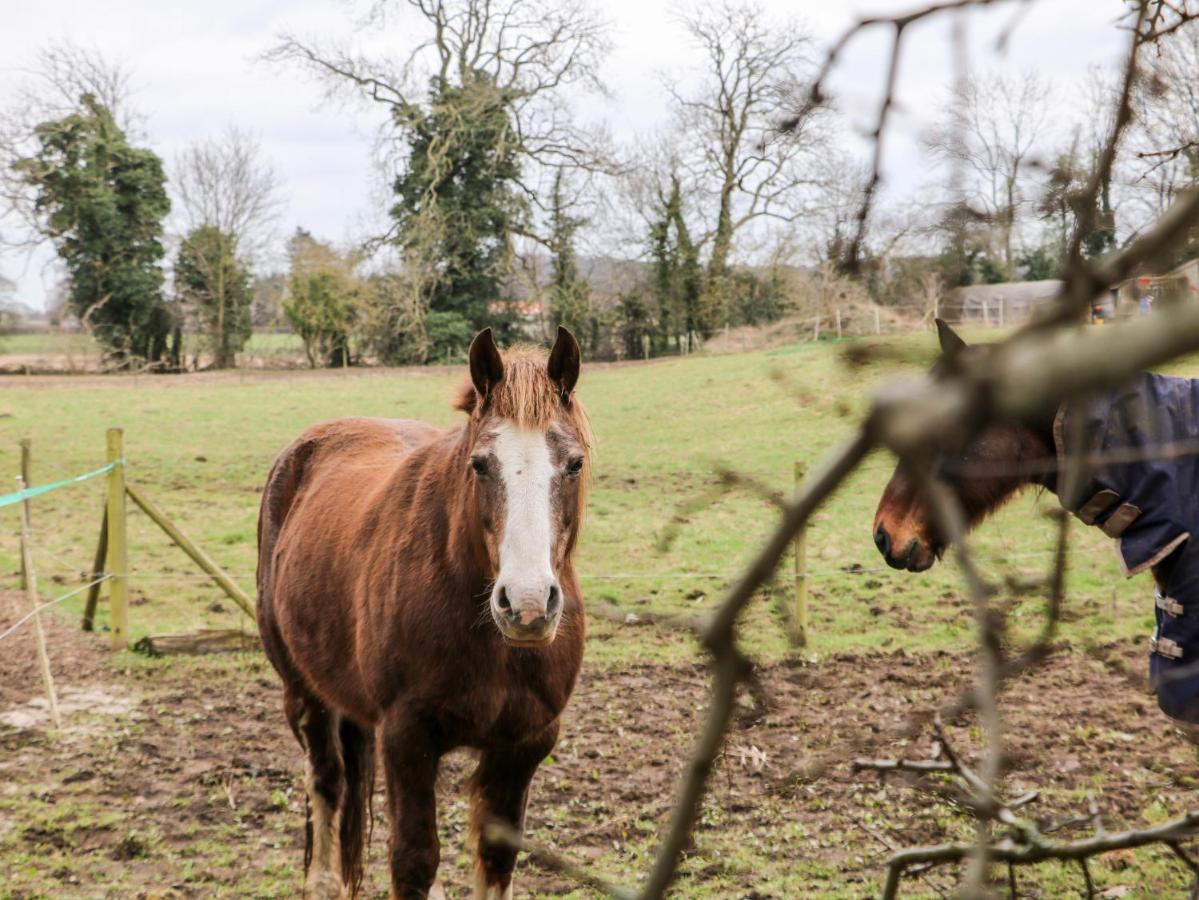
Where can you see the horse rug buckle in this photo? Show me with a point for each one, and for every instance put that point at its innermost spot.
(1165, 647)
(1169, 605)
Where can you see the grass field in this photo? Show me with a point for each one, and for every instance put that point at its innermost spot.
(77, 352)
(200, 446)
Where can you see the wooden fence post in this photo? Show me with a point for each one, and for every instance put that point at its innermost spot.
(26, 481)
(837, 311)
(29, 583)
(799, 614)
(118, 561)
(878, 325)
(93, 592)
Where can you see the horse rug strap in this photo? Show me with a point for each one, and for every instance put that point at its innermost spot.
(1124, 466)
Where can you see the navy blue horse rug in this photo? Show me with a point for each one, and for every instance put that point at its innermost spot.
(1127, 463)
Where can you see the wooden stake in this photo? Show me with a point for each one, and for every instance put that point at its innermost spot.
(837, 312)
(29, 582)
(26, 480)
(799, 615)
(188, 546)
(878, 325)
(93, 593)
(117, 565)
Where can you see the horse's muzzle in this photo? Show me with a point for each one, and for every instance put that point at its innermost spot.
(916, 556)
(528, 622)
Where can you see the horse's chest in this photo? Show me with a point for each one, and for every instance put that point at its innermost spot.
(497, 710)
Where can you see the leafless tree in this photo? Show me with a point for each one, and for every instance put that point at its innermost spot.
(226, 183)
(1165, 136)
(740, 163)
(991, 133)
(228, 196)
(530, 51)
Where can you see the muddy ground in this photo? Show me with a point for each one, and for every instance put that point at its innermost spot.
(180, 778)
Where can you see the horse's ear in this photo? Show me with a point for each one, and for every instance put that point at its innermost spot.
(486, 367)
(564, 363)
(951, 342)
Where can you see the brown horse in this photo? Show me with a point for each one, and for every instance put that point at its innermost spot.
(1118, 460)
(983, 474)
(416, 587)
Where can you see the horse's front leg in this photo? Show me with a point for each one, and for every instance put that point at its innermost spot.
(499, 794)
(410, 761)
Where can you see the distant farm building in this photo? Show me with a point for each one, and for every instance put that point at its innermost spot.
(996, 305)
(1182, 281)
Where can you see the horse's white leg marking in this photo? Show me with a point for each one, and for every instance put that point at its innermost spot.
(324, 875)
(436, 892)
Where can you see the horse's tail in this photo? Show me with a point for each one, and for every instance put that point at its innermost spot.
(358, 760)
(281, 486)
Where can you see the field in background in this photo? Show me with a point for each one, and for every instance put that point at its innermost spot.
(200, 446)
(73, 352)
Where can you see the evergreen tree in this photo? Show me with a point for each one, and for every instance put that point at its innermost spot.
(217, 288)
(678, 276)
(102, 202)
(460, 186)
(323, 299)
(570, 295)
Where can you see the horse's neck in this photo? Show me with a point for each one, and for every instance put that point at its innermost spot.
(1042, 457)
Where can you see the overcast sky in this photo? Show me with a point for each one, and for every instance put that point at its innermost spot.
(197, 69)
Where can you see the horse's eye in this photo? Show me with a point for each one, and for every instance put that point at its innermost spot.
(479, 464)
(575, 466)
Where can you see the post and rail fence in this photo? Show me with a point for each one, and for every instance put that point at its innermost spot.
(110, 564)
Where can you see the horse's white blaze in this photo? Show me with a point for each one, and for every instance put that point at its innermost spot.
(526, 571)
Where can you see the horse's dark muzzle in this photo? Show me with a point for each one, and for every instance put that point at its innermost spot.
(910, 561)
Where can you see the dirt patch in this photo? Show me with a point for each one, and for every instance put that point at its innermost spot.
(204, 780)
(75, 656)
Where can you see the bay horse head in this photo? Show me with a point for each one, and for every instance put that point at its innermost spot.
(984, 470)
(527, 466)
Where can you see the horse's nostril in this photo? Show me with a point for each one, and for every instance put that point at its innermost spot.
(554, 603)
(882, 540)
(503, 602)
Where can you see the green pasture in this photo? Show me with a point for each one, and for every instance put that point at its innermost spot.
(200, 446)
(62, 348)
(47, 343)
